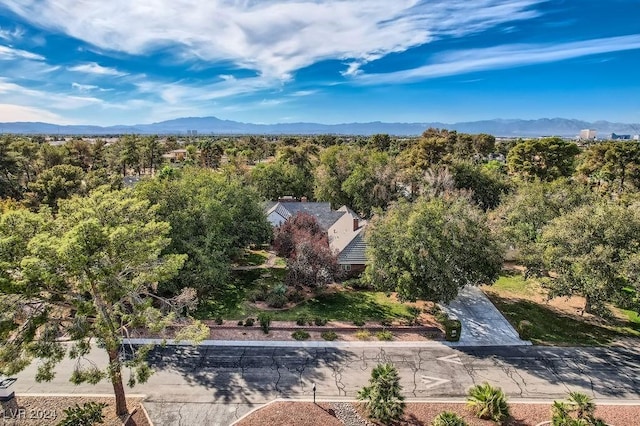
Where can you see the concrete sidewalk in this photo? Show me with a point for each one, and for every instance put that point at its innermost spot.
(482, 323)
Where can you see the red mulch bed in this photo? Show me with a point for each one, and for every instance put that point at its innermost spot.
(305, 413)
(292, 413)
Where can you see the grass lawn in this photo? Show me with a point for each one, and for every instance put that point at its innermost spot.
(555, 323)
(347, 305)
(253, 258)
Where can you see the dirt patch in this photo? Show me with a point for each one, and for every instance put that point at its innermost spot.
(36, 411)
(293, 413)
(304, 413)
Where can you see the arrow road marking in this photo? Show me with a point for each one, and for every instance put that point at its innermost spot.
(453, 359)
(432, 382)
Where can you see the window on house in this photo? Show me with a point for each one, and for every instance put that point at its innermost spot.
(346, 267)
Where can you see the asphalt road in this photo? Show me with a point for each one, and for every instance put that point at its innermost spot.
(192, 384)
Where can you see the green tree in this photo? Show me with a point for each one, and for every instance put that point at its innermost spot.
(612, 165)
(380, 141)
(278, 179)
(383, 398)
(546, 159)
(591, 251)
(371, 184)
(57, 183)
(150, 153)
(430, 249)
(487, 186)
(9, 170)
(88, 274)
(523, 213)
(212, 218)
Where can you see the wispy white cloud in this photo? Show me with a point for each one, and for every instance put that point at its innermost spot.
(11, 35)
(507, 56)
(7, 52)
(95, 68)
(88, 87)
(12, 112)
(301, 93)
(274, 38)
(84, 87)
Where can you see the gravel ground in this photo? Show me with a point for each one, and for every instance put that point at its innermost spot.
(302, 413)
(346, 413)
(292, 414)
(43, 411)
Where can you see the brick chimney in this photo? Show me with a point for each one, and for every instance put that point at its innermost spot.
(356, 223)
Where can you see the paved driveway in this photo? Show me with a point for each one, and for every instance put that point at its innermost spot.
(482, 322)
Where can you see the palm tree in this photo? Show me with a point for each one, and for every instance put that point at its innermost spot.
(383, 399)
(488, 402)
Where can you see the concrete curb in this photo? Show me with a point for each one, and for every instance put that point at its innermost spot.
(79, 395)
(311, 344)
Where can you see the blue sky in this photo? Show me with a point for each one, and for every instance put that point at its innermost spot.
(127, 62)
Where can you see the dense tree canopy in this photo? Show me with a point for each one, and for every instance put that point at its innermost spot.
(546, 159)
(212, 218)
(612, 165)
(593, 252)
(88, 273)
(430, 249)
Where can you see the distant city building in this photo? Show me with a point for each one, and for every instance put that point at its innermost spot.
(192, 133)
(614, 137)
(588, 134)
(636, 137)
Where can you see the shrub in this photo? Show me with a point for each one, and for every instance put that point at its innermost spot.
(382, 397)
(249, 322)
(260, 293)
(358, 322)
(384, 335)
(301, 319)
(386, 322)
(320, 321)
(277, 297)
(488, 403)
(414, 312)
(578, 410)
(296, 296)
(89, 414)
(265, 321)
(524, 329)
(447, 418)
(276, 300)
(218, 321)
(300, 335)
(240, 322)
(362, 335)
(329, 335)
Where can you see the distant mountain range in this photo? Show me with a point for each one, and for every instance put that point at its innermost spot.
(212, 125)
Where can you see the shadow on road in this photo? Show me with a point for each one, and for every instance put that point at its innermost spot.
(242, 373)
(604, 372)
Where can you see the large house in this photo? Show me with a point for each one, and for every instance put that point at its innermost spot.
(345, 229)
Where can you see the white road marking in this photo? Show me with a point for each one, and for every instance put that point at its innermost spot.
(432, 382)
(453, 359)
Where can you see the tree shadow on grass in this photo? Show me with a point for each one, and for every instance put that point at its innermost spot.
(549, 326)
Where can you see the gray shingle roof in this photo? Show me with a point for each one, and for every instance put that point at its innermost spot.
(355, 252)
(321, 211)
